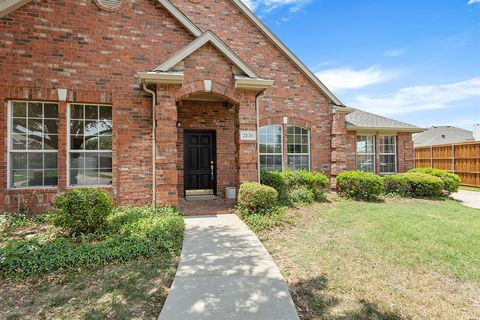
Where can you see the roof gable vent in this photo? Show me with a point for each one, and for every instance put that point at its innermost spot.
(109, 5)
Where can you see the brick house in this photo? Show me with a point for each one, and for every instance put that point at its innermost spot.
(156, 99)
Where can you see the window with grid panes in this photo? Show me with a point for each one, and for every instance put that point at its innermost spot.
(90, 145)
(298, 148)
(271, 147)
(33, 144)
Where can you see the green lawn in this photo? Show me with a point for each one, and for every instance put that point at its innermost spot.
(400, 259)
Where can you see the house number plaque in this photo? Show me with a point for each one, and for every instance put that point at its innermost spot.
(248, 135)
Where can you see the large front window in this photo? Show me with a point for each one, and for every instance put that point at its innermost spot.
(33, 144)
(271, 147)
(90, 145)
(388, 154)
(366, 153)
(298, 148)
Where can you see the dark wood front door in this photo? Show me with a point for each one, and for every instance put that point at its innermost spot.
(199, 160)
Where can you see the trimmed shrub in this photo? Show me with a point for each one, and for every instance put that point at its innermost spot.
(82, 210)
(255, 197)
(397, 184)
(129, 233)
(276, 180)
(451, 181)
(359, 185)
(302, 195)
(417, 185)
(288, 181)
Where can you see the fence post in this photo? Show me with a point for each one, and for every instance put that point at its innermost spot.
(431, 156)
(453, 158)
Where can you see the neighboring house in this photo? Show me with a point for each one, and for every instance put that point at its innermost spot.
(442, 135)
(93, 89)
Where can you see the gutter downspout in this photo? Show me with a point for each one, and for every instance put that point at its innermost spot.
(154, 142)
(257, 107)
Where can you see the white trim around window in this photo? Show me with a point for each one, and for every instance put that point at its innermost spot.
(300, 151)
(387, 147)
(268, 136)
(365, 153)
(101, 154)
(38, 150)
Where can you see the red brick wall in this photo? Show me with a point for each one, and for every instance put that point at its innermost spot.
(215, 116)
(405, 151)
(292, 95)
(95, 55)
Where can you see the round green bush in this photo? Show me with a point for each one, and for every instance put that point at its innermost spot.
(451, 181)
(288, 181)
(82, 210)
(302, 195)
(255, 197)
(412, 184)
(359, 185)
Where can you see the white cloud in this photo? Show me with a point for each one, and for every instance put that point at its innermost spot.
(269, 5)
(418, 98)
(395, 52)
(473, 1)
(339, 79)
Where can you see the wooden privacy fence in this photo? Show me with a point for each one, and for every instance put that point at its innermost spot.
(460, 158)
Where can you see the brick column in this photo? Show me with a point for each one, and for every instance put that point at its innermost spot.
(247, 150)
(166, 144)
(339, 156)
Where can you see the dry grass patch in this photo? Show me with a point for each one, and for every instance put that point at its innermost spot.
(132, 290)
(400, 259)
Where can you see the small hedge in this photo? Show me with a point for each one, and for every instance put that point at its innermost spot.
(255, 197)
(451, 181)
(129, 233)
(292, 185)
(359, 185)
(82, 210)
(417, 185)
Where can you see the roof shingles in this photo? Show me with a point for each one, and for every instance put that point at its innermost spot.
(362, 119)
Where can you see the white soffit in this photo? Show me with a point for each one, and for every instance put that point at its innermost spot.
(161, 77)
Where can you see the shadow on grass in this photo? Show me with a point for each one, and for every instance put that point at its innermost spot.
(314, 302)
(121, 290)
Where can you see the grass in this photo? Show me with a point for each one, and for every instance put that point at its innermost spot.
(134, 286)
(132, 290)
(469, 188)
(401, 259)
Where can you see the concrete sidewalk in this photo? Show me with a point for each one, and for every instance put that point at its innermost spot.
(468, 198)
(226, 273)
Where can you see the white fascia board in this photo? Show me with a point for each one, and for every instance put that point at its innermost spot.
(383, 129)
(8, 6)
(252, 83)
(198, 43)
(161, 77)
(338, 109)
(187, 23)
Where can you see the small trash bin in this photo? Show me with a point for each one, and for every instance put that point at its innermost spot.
(230, 192)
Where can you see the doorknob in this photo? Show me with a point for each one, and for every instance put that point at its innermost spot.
(211, 170)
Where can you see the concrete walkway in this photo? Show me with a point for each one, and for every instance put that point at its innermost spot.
(468, 198)
(226, 273)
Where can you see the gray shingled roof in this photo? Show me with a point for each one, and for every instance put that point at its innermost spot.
(360, 118)
(442, 135)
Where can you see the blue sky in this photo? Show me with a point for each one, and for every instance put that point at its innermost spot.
(416, 61)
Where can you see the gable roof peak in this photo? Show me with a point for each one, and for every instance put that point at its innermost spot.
(206, 37)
